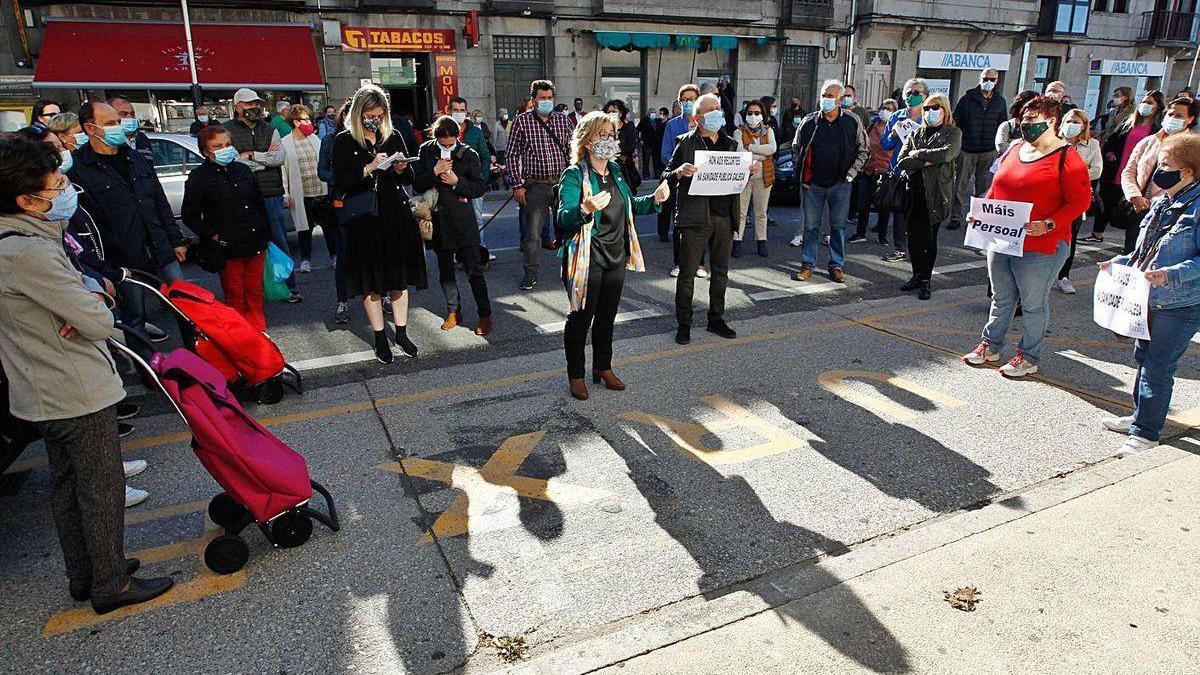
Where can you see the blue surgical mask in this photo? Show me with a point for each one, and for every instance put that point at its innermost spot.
(62, 206)
(1172, 124)
(688, 107)
(933, 117)
(202, 118)
(828, 104)
(225, 155)
(129, 124)
(114, 136)
(714, 120)
(68, 161)
(545, 107)
(847, 101)
(81, 139)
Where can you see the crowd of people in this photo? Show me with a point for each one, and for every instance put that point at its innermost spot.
(81, 208)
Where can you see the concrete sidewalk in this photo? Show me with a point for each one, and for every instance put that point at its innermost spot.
(1103, 582)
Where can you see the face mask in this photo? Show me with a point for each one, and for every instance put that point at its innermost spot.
(1071, 130)
(114, 136)
(987, 86)
(129, 125)
(828, 104)
(63, 206)
(933, 117)
(1031, 131)
(774, 110)
(714, 120)
(68, 161)
(225, 155)
(306, 129)
(202, 118)
(796, 121)
(754, 120)
(914, 99)
(615, 117)
(545, 107)
(459, 117)
(252, 114)
(504, 117)
(81, 139)
(847, 101)
(445, 151)
(372, 124)
(653, 116)
(479, 119)
(1172, 124)
(605, 148)
(1166, 179)
(1146, 109)
(688, 107)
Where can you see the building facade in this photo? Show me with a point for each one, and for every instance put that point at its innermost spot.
(424, 51)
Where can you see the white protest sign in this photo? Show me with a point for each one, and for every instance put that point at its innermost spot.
(720, 173)
(998, 226)
(1121, 301)
(904, 128)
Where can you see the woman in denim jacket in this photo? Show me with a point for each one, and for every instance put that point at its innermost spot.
(1168, 252)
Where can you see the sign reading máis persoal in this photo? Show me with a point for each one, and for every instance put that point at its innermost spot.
(963, 60)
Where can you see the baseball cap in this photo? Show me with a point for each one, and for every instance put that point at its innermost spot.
(245, 95)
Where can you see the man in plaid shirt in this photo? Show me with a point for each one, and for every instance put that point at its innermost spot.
(538, 147)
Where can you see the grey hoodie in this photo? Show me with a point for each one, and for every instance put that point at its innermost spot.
(51, 377)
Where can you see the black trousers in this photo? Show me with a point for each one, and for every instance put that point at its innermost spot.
(922, 238)
(664, 217)
(864, 189)
(598, 313)
(469, 257)
(1111, 197)
(87, 498)
(715, 237)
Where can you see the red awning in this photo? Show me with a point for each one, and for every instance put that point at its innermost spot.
(153, 55)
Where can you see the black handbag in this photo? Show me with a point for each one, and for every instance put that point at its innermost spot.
(893, 194)
(208, 255)
(358, 205)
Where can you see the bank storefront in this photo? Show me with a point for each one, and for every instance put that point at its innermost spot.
(953, 73)
(1104, 75)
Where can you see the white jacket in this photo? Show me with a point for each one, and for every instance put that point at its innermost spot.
(293, 181)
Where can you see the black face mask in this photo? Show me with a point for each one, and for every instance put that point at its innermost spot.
(1031, 131)
(252, 114)
(1166, 179)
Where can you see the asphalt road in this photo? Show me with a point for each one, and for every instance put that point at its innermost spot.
(486, 512)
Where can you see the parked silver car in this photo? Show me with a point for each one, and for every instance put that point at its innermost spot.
(175, 155)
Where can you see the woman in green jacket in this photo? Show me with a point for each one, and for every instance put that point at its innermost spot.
(596, 208)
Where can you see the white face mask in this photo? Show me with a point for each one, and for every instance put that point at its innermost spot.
(754, 119)
(445, 151)
(1172, 124)
(1070, 129)
(1146, 109)
(459, 117)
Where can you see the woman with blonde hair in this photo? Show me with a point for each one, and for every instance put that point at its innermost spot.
(595, 213)
(302, 188)
(384, 251)
(927, 159)
(1076, 132)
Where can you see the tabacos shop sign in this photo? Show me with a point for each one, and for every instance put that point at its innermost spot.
(1127, 68)
(962, 60)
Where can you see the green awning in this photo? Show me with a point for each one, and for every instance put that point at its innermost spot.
(624, 41)
(726, 42)
(650, 40)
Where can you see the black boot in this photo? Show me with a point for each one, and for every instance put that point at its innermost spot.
(683, 335)
(925, 293)
(383, 351)
(140, 590)
(912, 284)
(406, 346)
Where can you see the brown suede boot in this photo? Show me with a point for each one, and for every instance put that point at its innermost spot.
(610, 380)
(579, 389)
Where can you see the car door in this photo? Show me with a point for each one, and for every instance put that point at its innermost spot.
(172, 162)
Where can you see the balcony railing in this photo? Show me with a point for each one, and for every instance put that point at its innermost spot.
(1171, 28)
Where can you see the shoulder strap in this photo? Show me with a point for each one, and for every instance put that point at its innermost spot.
(561, 146)
(12, 233)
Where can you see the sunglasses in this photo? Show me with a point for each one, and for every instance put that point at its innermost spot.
(931, 107)
(990, 79)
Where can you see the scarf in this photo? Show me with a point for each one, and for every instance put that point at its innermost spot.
(577, 250)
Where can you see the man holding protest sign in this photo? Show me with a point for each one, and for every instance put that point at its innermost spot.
(1164, 319)
(710, 175)
(829, 149)
(1045, 173)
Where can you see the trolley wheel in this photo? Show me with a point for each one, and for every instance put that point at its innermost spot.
(226, 554)
(291, 529)
(224, 511)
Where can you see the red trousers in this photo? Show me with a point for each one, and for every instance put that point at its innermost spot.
(242, 282)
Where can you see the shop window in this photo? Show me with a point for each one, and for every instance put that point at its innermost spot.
(394, 72)
(624, 84)
(1045, 71)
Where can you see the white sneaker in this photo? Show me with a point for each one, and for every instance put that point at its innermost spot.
(1135, 444)
(134, 496)
(981, 355)
(305, 266)
(1120, 425)
(491, 256)
(1065, 286)
(133, 468)
(1018, 367)
(797, 241)
(701, 272)
(675, 271)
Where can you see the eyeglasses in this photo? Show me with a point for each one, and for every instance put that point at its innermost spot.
(604, 137)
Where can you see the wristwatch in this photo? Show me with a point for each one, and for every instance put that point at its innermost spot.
(1049, 224)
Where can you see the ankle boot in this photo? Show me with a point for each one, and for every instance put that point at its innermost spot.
(925, 292)
(579, 389)
(610, 380)
(911, 285)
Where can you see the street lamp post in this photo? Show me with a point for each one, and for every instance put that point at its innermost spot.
(197, 94)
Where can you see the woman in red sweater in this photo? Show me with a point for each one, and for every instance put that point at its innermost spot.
(1044, 171)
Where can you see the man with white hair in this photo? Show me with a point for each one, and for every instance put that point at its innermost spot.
(979, 113)
(830, 148)
(704, 222)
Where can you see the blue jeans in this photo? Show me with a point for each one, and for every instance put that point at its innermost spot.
(477, 204)
(1171, 332)
(133, 309)
(1027, 280)
(815, 198)
(277, 216)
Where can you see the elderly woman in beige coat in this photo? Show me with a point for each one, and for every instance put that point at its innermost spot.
(1135, 179)
(303, 190)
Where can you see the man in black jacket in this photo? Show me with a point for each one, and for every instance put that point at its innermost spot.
(979, 113)
(703, 222)
(830, 148)
(123, 195)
